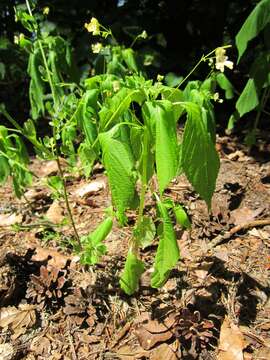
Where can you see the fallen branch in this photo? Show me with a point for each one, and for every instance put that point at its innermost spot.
(228, 234)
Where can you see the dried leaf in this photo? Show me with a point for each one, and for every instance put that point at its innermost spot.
(55, 213)
(148, 340)
(56, 259)
(19, 320)
(244, 215)
(7, 352)
(128, 352)
(10, 219)
(163, 351)
(231, 342)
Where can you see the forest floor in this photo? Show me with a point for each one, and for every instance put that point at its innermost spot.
(215, 304)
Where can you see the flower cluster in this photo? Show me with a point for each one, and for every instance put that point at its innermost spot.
(93, 26)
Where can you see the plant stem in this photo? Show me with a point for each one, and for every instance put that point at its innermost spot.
(67, 202)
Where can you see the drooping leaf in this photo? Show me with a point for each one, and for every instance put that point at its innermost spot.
(166, 148)
(87, 157)
(129, 281)
(225, 85)
(176, 97)
(145, 232)
(259, 76)
(119, 164)
(200, 160)
(254, 24)
(167, 253)
(130, 59)
(181, 216)
(36, 87)
(4, 169)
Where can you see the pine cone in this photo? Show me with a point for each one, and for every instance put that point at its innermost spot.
(192, 329)
(49, 288)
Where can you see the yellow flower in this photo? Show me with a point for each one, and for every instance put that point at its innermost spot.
(160, 78)
(144, 34)
(96, 48)
(46, 10)
(217, 98)
(93, 26)
(17, 38)
(222, 60)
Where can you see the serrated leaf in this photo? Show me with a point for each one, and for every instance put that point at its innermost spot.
(200, 160)
(145, 232)
(129, 281)
(166, 148)
(254, 24)
(225, 85)
(119, 163)
(167, 253)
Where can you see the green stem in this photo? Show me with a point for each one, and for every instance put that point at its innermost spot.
(55, 101)
(67, 203)
(11, 120)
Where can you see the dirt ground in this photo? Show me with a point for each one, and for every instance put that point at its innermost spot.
(215, 305)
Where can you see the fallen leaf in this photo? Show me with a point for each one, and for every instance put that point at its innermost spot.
(19, 320)
(36, 194)
(163, 351)
(55, 259)
(263, 353)
(55, 213)
(91, 188)
(231, 342)
(244, 215)
(131, 352)
(148, 340)
(10, 219)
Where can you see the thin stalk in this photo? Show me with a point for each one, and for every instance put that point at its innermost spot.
(18, 164)
(67, 203)
(11, 120)
(55, 101)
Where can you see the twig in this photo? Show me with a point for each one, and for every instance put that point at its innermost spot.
(222, 237)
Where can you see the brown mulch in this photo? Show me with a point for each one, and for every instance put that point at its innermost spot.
(215, 305)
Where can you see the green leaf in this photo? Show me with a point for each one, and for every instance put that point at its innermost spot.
(119, 163)
(129, 281)
(250, 96)
(130, 59)
(200, 160)
(4, 169)
(36, 88)
(111, 112)
(167, 253)
(175, 96)
(87, 156)
(145, 232)
(181, 216)
(161, 114)
(225, 85)
(254, 24)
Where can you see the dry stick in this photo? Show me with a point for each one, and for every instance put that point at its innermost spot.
(220, 238)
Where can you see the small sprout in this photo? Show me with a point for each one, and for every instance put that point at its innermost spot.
(93, 26)
(222, 59)
(46, 10)
(96, 48)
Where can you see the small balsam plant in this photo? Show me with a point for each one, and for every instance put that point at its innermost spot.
(129, 123)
